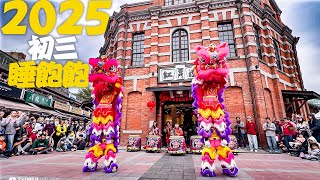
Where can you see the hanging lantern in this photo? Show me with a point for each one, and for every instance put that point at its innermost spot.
(151, 105)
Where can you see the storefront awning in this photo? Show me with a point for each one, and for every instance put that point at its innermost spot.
(291, 97)
(18, 106)
(47, 111)
(71, 115)
(171, 88)
(303, 95)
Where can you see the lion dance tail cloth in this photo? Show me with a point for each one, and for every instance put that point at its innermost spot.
(208, 86)
(104, 131)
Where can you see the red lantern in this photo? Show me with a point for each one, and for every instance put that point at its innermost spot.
(151, 105)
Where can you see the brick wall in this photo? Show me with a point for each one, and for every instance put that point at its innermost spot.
(200, 19)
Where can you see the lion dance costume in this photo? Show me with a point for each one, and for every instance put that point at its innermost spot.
(208, 86)
(104, 131)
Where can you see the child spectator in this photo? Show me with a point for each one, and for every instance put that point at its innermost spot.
(70, 139)
(2, 146)
(314, 154)
(298, 142)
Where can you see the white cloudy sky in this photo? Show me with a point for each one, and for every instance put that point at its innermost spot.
(302, 16)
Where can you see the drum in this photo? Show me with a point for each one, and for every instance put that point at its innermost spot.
(153, 143)
(177, 145)
(134, 143)
(196, 145)
(233, 144)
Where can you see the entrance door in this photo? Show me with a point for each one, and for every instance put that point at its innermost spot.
(181, 113)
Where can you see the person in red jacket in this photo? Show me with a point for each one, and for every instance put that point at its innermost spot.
(288, 128)
(252, 134)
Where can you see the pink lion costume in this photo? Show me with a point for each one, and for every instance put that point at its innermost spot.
(208, 86)
(104, 131)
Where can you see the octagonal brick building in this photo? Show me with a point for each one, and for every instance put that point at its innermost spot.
(154, 43)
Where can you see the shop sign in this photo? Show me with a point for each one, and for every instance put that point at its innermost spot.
(61, 106)
(5, 60)
(179, 73)
(37, 99)
(86, 113)
(10, 91)
(76, 110)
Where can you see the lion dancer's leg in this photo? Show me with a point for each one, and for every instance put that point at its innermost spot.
(226, 159)
(112, 133)
(207, 162)
(92, 158)
(96, 150)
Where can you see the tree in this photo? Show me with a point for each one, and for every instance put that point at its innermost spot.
(84, 94)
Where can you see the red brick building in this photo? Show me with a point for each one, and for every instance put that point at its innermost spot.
(154, 42)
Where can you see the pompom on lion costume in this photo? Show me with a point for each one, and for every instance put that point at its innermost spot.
(104, 131)
(211, 71)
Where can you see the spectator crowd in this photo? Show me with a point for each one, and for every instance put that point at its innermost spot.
(24, 134)
(296, 136)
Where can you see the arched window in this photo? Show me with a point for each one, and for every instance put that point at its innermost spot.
(277, 53)
(180, 45)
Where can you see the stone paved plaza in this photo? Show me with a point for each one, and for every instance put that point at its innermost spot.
(142, 165)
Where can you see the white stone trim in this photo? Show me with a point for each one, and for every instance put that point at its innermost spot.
(204, 18)
(205, 37)
(196, 41)
(205, 28)
(164, 35)
(214, 39)
(154, 34)
(135, 84)
(119, 57)
(132, 131)
(239, 46)
(203, 10)
(137, 77)
(213, 29)
(164, 44)
(269, 55)
(236, 26)
(164, 54)
(154, 43)
(146, 46)
(266, 79)
(195, 31)
(120, 48)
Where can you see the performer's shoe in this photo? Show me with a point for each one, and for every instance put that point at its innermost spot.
(90, 169)
(207, 173)
(230, 172)
(112, 168)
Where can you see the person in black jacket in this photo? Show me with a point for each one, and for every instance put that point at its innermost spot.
(314, 125)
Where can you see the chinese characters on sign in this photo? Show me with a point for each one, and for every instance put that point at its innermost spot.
(175, 74)
(42, 48)
(29, 75)
(37, 99)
